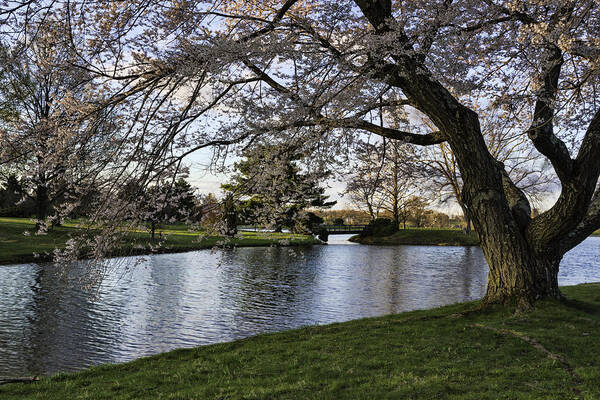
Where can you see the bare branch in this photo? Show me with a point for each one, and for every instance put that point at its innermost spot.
(541, 131)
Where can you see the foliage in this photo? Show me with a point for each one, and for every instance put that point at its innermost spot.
(12, 203)
(229, 216)
(381, 227)
(55, 142)
(168, 202)
(307, 223)
(211, 211)
(273, 188)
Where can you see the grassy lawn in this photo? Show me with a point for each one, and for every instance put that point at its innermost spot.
(550, 353)
(423, 236)
(16, 247)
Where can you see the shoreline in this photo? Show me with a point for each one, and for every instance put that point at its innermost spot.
(18, 248)
(421, 237)
(45, 258)
(454, 351)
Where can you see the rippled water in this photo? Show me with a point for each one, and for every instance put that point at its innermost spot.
(51, 323)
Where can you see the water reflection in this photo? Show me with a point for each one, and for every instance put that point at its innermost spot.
(50, 323)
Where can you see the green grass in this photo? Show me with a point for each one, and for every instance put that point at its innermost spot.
(550, 353)
(16, 247)
(416, 236)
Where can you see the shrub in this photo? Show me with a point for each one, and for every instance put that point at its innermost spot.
(381, 227)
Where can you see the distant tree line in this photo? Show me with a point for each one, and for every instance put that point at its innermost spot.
(418, 217)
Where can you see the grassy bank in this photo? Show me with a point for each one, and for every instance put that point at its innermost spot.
(17, 247)
(416, 236)
(550, 353)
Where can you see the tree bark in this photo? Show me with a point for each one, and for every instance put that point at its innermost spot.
(371, 212)
(468, 228)
(516, 272)
(520, 271)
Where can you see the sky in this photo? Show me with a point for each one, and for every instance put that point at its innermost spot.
(208, 182)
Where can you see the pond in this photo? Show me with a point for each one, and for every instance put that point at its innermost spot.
(51, 323)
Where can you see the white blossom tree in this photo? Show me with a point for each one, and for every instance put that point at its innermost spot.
(199, 74)
(57, 149)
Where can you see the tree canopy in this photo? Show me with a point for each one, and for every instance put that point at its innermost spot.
(194, 74)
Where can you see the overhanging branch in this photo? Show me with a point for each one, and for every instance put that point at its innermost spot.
(396, 134)
(318, 119)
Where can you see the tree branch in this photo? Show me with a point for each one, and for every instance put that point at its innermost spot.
(377, 11)
(586, 227)
(271, 26)
(541, 131)
(516, 15)
(430, 37)
(574, 212)
(587, 163)
(350, 123)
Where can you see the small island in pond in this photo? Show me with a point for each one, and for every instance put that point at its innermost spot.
(425, 237)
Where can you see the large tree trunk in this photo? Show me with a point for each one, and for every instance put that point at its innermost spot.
(521, 271)
(523, 255)
(516, 272)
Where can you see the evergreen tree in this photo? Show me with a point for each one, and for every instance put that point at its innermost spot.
(273, 190)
